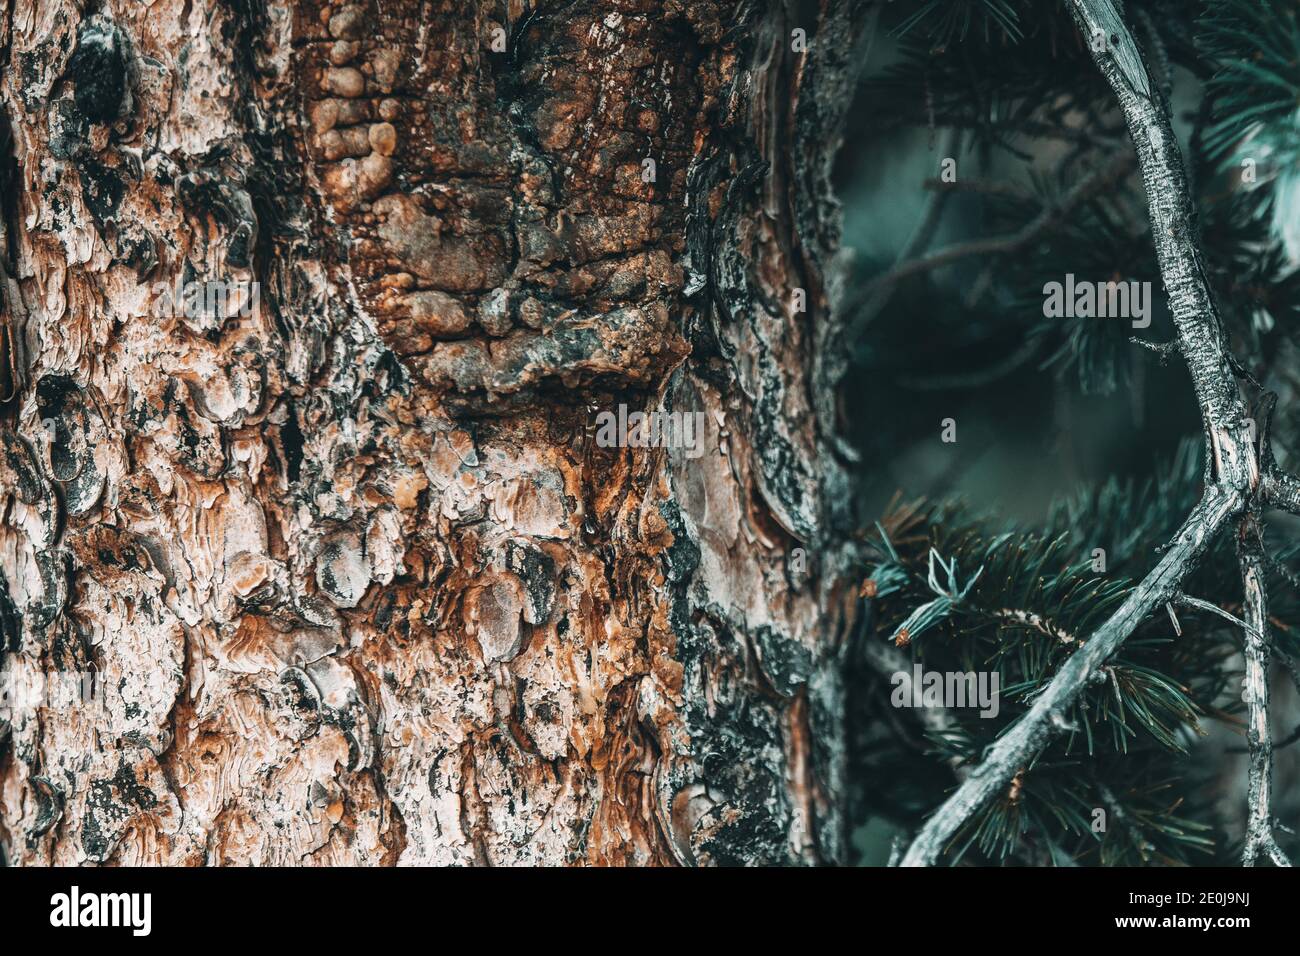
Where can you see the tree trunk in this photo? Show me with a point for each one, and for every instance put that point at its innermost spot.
(354, 578)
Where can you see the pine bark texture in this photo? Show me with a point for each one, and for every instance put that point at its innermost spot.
(361, 586)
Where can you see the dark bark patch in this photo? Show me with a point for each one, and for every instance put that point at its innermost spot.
(110, 803)
(101, 189)
(49, 805)
(98, 70)
(58, 399)
(536, 570)
(786, 663)
(11, 621)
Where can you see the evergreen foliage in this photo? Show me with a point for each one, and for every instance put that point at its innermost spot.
(957, 588)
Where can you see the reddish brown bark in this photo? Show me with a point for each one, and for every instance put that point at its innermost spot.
(366, 588)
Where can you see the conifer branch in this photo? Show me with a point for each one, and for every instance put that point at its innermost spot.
(1117, 811)
(1234, 475)
(1021, 743)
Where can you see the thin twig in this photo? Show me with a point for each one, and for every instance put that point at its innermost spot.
(986, 187)
(1164, 349)
(1037, 622)
(1160, 54)
(1187, 601)
(1070, 134)
(977, 378)
(1283, 571)
(1279, 489)
(1291, 665)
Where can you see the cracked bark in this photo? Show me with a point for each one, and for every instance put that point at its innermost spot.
(364, 587)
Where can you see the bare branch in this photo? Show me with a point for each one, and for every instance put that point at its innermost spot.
(977, 378)
(1279, 489)
(987, 187)
(1086, 138)
(1259, 735)
(1175, 236)
(1163, 349)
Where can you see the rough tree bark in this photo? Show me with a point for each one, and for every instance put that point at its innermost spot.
(359, 583)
